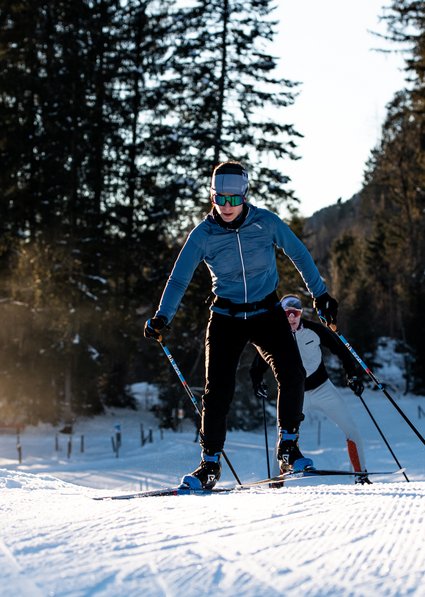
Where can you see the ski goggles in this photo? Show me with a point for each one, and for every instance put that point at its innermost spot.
(294, 312)
(232, 200)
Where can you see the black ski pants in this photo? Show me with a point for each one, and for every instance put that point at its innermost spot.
(226, 337)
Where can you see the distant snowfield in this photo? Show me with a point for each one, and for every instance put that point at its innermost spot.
(313, 537)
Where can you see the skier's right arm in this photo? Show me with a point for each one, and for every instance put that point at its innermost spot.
(184, 267)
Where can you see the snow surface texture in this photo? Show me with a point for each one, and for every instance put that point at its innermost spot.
(314, 537)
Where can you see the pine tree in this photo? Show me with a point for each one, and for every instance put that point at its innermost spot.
(229, 104)
(65, 174)
(393, 197)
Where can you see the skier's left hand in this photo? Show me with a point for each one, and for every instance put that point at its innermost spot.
(355, 384)
(327, 308)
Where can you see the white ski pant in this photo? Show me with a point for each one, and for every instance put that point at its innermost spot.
(327, 400)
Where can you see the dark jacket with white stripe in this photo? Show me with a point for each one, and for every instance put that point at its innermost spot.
(310, 337)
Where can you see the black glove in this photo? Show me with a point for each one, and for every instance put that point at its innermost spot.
(260, 389)
(326, 307)
(154, 326)
(355, 384)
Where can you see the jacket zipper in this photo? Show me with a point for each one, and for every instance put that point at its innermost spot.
(243, 269)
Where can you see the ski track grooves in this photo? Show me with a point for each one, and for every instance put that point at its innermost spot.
(15, 583)
(324, 546)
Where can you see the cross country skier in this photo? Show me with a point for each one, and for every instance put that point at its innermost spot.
(320, 393)
(237, 241)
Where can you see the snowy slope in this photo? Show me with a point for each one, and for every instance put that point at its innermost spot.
(313, 537)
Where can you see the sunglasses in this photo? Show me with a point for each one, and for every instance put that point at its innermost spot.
(294, 312)
(233, 200)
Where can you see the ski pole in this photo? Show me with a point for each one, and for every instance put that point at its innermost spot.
(193, 399)
(372, 376)
(381, 434)
(266, 440)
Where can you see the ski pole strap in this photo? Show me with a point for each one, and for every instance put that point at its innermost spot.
(331, 326)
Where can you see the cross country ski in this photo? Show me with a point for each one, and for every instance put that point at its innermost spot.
(263, 484)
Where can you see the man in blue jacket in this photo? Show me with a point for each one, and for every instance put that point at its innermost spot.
(237, 242)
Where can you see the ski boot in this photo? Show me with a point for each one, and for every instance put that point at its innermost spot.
(363, 479)
(288, 453)
(206, 475)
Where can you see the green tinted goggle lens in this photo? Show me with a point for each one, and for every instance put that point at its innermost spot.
(233, 200)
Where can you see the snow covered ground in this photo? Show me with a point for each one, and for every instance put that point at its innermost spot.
(315, 538)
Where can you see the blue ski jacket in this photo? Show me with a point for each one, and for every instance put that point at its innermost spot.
(242, 262)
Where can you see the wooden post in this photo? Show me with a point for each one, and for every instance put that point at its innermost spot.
(69, 452)
(19, 447)
(115, 447)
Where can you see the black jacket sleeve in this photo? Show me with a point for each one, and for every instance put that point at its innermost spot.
(258, 368)
(328, 339)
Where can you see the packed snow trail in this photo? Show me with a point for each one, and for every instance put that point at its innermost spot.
(13, 576)
(321, 540)
(314, 537)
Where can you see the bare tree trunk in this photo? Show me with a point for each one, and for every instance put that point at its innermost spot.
(222, 84)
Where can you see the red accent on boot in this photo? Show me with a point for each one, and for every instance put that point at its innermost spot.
(354, 455)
